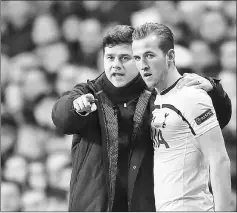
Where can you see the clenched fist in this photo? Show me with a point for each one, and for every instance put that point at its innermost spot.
(85, 103)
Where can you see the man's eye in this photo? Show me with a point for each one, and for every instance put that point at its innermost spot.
(149, 56)
(110, 57)
(125, 58)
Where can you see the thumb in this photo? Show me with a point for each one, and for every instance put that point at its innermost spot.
(93, 107)
(89, 97)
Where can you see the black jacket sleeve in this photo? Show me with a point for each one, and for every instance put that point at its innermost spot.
(64, 117)
(221, 102)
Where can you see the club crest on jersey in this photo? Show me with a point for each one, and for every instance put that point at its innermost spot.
(204, 116)
(158, 122)
(159, 119)
(164, 124)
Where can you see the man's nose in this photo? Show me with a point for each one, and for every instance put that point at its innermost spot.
(116, 64)
(145, 65)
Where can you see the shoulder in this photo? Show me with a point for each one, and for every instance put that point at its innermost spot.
(193, 94)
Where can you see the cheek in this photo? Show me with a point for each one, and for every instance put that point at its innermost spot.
(138, 65)
(106, 67)
(161, 63)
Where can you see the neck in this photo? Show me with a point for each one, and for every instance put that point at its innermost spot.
(123, 94)
(169, 78)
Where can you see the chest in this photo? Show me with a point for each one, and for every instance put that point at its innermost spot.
(168, 124)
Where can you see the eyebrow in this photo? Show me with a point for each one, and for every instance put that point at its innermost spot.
(144, 53)
(148, 52)
(120, 55)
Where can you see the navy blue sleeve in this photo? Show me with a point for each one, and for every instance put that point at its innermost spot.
(221, 102)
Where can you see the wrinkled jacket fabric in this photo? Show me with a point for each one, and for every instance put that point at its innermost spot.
(95, 149)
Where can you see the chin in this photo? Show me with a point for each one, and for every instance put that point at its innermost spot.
(118, 84)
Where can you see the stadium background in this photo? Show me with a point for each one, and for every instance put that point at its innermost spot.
(49, 46)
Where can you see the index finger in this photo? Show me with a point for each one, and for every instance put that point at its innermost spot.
(93, 101)
(89, 97)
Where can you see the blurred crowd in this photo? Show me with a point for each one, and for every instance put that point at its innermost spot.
(47, 47)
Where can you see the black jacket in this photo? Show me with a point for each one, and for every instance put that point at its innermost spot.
(95, 148)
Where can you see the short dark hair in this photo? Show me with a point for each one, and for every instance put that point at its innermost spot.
(120, 34)
(161, 30)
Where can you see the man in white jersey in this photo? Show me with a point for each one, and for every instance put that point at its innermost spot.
(189, 148)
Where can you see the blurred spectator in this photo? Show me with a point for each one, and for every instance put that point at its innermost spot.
(148, 14)
(56, 203)
(10, 197)
(20, 64)
(43, 6)
(213, 28)
(62, 9)
(165, 8)
(118, 11)
(65, 178)
(13, 98)
(43, 112)
(183, 59)
(71, 28)
(17, 36)
(55, 165)
(5, 65)
(228, 56)
(37, 177)
(86, 72)
(89, 43)
(31, 142)
(229, 9)
(191, 13)
(204, 61)
(66, 78)
(53, 56)
(45, 30)
(35, 84)
(8, 137)
(47, 47)
(71, 74)
(234, 201)
(16, 169)
(34, 200)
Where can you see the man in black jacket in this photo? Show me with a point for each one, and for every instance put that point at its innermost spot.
(112, 152)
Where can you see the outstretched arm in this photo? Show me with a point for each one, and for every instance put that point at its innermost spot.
(64, 114)
(213, 87)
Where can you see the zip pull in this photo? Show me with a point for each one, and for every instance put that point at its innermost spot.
(125, 105)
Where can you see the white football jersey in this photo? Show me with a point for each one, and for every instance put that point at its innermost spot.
(180, 173)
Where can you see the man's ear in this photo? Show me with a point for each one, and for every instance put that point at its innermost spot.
(170, 55)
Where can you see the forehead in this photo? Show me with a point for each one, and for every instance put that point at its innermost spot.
(149, 43)
(119, 49)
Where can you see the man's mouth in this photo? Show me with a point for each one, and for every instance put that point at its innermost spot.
(117, 74)
(147, 74)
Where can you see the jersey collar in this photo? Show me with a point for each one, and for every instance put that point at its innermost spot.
(163, 92)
